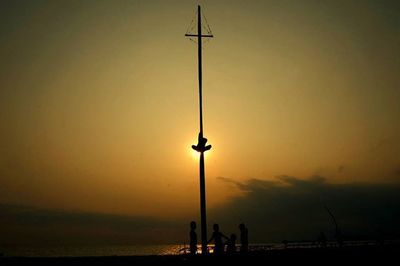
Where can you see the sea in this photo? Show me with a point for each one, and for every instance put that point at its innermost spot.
(86, 251)
(123, 250)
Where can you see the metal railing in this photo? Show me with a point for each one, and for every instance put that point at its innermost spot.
(300, 245)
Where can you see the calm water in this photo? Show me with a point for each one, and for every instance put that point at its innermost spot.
(83, 251)
(131, 250)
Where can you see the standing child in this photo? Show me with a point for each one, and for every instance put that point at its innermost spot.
(231, 245)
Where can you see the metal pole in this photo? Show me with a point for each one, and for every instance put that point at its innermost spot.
(203, 206)
(202, 171)
(200, 68)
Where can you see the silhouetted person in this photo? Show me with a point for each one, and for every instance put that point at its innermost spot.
(244, 238)
(193, 238)
(322, 240)
(217, 237)
(231, 244)
(201, 144)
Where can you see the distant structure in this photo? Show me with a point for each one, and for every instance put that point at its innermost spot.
(201, 146)
(338, 234)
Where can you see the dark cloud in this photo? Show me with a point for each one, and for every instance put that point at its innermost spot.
(293, 208)
(26, 225)
(284, 208)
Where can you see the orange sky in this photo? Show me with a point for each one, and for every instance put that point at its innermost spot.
(98, 99)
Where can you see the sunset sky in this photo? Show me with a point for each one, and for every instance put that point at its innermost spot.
(98, 104)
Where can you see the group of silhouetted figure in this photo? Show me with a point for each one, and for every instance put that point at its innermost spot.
(218, 237)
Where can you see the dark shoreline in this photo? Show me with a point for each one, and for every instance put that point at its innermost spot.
(360, 253)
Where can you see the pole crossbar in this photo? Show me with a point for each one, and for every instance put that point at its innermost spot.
(196, 35)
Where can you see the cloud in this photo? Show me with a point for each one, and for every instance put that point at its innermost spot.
(284, 208)
(293, 208)
(27, 225)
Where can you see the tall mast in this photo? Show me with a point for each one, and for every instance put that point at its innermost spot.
(200, 68)
(203, 212)
(201, 146)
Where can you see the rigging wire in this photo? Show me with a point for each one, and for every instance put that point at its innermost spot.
(208, 29)
(192, 24)
(205, 26)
